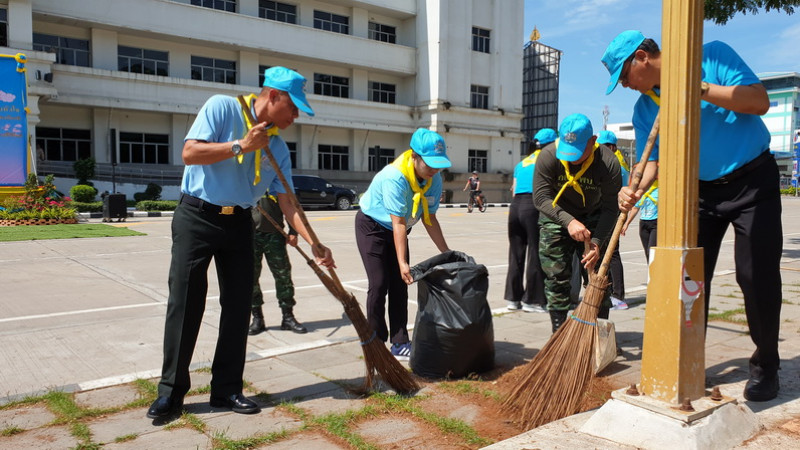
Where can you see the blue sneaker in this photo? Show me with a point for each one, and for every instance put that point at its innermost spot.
(401, 351)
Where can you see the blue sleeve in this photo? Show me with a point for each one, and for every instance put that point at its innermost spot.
(644, 114)
(723, 66)
(215, 121)
(394, 190)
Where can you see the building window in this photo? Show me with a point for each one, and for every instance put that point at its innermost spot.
(261, 70)
(331, 85)
(69, 51)
(64, 144)
(281, 12)
(222, 5)
(211, 69)
(3, 27)
(380, 158)
(143, 148)
(478, 160)
(381, 32)
(480, 40)
(381, 92)
(140, 60)
(331, 22)
(479, 97)
(293, 153)
(333, 157)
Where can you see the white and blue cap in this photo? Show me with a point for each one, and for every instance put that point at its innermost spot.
(431, 147)
(573, 135)
(292, 83)
(606, 137)
(546, 136)
(617, 52)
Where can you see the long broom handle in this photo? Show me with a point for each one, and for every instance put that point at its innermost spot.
(636, 178)
(300, 212)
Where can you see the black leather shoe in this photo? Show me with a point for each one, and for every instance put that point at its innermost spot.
(290, 323)
(237, 403)
(761, 388)
(163, 407)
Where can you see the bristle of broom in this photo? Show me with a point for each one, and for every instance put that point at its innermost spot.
(552, 384)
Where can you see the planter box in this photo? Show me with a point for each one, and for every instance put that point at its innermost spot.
(15, 223)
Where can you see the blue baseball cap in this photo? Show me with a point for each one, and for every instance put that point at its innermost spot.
(573, 135)
(292, 83)
(546, 136)
(431, 147)
(620, 49)
(606, 137)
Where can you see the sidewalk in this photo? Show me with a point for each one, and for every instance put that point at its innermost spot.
(81, 322)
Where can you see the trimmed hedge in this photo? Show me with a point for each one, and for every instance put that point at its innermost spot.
(87, 206)
(157, 205)
(83, 193)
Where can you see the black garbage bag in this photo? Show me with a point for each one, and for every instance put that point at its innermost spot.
(453, 332)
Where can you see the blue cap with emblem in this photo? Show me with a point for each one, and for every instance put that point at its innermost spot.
(292, 83)
(546, 136)
(573, 135)
(617, 52)
(431, 147)
(606, 137)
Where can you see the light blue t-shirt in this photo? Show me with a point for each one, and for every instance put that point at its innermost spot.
(523, 174)
(728, 140)
(647, 209)
(227, 182)
(390, 193)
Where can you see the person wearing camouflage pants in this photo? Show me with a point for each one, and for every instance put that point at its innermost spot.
(575, 189)
(269, 243)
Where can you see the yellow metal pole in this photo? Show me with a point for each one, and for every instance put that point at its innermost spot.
(673, 356)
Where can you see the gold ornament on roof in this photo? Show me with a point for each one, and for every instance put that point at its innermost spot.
(535, 36)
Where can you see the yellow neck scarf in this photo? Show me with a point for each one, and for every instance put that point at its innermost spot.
(653, 187)
(250, 99)
(405, 164)
(621, 159)
(531, 159)
(572, 180)
(652, 94)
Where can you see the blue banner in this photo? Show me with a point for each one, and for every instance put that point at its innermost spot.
(13, 121)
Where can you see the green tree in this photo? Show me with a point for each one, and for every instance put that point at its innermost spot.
(84, 169)
(720, 11)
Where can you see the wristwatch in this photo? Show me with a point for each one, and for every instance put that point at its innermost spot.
(236, 148)
(703, 88)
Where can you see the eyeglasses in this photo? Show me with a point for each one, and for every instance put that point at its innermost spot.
(626, 68)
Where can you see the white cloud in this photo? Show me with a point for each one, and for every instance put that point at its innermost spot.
(7, 97)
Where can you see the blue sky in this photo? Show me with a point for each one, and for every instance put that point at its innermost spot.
(581, 29)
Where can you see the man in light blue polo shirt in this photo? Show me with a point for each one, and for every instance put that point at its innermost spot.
(401, 194)
(739, 181)
(226, 173)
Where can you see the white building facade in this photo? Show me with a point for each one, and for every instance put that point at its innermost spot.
(122, 80)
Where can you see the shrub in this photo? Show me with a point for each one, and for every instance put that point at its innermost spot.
(84, 169)
(789, 191)
(151, 192)
(82, 193)
(157, 205)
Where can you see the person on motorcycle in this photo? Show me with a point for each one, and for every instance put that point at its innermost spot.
(475, 194)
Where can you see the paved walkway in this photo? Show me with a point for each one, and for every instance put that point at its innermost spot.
(81, 326)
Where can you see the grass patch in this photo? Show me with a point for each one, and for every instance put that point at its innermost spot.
(466, 387)
(339, 426)
(223, 442)
(729, 316)
(10, 431)
(63, 231)
(445, 424)
(201, 390)
(187, 420)
(126, 437)
(295, 410)
(81, 432)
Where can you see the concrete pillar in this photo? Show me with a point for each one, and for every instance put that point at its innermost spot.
(20, 24)
(359, 23)
(248, 69)
(104, 49)
(248, 7)
(180, 126)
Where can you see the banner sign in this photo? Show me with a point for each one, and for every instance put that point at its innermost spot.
(13, 121)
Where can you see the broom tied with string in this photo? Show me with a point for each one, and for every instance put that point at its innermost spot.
(377, 357)
(552, 385)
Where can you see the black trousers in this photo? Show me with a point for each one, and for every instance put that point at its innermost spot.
(523, 253)
(648, 234)
(376, 246)
(752, 204)
(616, 275)
(197, 237)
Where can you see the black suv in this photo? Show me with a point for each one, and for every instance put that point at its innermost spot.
(315, 191)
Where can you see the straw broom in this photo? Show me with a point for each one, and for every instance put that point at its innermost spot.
(552, 384)
(376, 355)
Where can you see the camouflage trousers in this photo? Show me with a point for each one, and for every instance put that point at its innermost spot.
(556, 250)
(272, 247)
